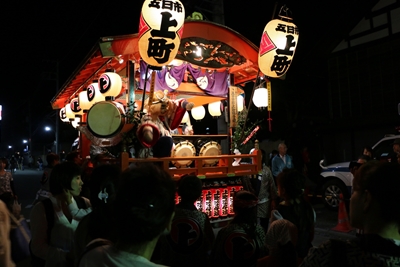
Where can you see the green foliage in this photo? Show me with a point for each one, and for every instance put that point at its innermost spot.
(130, 137)
(241, 132)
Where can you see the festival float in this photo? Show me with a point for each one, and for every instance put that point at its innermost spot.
(132, 90)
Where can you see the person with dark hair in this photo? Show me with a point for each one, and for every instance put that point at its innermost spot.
(13, 164)
(267, 195)
(242, 241)
(273, 153)
(54, 220)
(143, 210)
(281, 240)
(6, 179)
(396, 151)
(191, 235)
(295, 208)
(74, 156)
(98, 223)
(44, 191)
(367, 150)
(374, 207)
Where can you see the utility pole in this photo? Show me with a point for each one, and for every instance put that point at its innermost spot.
(56, 117)
(50, 72)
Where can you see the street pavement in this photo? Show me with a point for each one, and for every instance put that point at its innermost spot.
(27, 183)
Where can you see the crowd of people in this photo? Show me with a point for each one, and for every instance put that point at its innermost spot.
(131, 218)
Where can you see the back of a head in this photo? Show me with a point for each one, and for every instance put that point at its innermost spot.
(293, 182)
(144, 204)
(61, 177)
(279, 233)
(4, 160)
(102, 184)
(245, 207)
(51, 158)
(281, 239)
(72, 155)
(189, 188)
(382, 180)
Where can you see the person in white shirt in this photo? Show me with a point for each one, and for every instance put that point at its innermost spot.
(54, 243)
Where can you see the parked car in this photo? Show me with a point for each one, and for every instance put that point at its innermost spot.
(337, 178)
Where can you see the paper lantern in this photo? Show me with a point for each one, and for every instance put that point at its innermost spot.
(76, 109)
(84, 101)
(198, 113)
(110, 84)
(277, 47)
(185, 117)
(215, 109)
(63, 115)
(160, 31)
(260, 97)
(75, 123)
(72, 109)
(240, 103)
(90, 96)
(68, 112)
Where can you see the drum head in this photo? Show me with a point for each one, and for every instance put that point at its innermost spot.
(104, 119)
(211, 148)
(183, 149)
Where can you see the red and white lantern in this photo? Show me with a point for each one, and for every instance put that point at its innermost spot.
(90, 96)
(63, 115)
(110, 84)
(72, 109)
(160, 31)
(277, 47)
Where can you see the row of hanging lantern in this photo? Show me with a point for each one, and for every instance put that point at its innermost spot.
(107, 87)
(198, 113)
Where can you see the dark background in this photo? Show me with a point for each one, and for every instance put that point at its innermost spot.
(44, 41)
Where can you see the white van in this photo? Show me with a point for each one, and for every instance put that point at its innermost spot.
(337, 177)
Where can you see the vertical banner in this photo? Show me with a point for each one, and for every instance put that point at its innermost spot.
(269, 96)
(233, 112)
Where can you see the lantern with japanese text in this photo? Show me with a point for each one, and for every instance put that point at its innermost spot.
(110, 84)
(90, 96)
(277, 47)
(72, 109)
(63, 115)
(160, 31)
(76, 122)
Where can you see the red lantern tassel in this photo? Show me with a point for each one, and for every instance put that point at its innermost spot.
(269, 121)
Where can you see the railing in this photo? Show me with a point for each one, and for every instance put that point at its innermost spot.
(223, 168)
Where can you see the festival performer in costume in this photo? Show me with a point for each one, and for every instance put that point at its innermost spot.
(163, 115)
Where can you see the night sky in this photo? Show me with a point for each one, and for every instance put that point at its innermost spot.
(37, 34)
